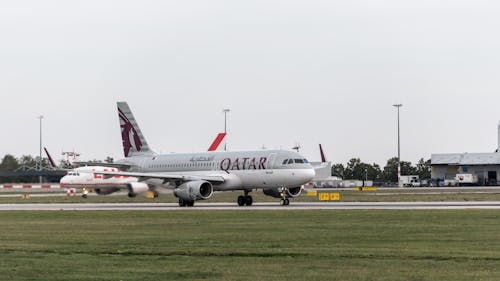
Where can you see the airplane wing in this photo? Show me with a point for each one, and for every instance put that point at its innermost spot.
(102, 164)
(163, 176)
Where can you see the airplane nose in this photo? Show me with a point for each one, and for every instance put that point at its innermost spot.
(64, 181)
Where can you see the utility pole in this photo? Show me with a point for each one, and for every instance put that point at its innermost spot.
(40, 155)
(398, 106)
(226, 111)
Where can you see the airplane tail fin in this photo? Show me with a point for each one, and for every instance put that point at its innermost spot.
(134, 143)
(217, 141)
(323, 158)
(52, 163)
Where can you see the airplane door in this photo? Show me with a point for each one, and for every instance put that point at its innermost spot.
(270, 161)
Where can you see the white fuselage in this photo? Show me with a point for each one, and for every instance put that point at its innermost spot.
(240, 170)
(87, 177)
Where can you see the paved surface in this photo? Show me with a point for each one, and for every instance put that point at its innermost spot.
(260, 206)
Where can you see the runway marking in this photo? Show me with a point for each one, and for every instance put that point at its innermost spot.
(257, 206)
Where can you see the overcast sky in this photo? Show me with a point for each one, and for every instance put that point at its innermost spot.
(291, 72)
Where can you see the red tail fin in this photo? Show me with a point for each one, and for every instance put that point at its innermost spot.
(217, 142)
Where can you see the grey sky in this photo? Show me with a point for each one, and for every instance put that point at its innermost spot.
(292, 72)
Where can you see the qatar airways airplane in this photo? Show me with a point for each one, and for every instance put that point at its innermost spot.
(195, 176)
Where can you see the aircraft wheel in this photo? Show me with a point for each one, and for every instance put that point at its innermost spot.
(190, 203)
(287, 202)
(155, 194)
(248, 200)
(84, 195)
(182, 203)
(241, 200)
(282, 202)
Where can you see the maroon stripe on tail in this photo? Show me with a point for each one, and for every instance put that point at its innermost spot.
(52, 163)
(323, 158)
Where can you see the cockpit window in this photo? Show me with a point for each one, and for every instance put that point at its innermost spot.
(285, 161)
(299, 161)
(290, 161)
(305, 161)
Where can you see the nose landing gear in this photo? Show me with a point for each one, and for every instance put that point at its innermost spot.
(285, 202)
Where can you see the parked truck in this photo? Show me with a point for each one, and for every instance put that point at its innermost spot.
(466, 179)
(409, 181)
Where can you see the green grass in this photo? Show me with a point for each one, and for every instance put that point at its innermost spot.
(250, 245)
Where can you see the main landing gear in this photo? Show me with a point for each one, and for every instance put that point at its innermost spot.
(284, 202)
(185, 203)
(245, 200)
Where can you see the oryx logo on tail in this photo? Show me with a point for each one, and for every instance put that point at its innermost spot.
(128, 132)
(132, 138)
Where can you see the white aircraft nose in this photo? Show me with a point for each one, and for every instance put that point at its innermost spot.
(64, 181)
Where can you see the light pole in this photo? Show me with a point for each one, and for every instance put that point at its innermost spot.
(40, 159)
(398, 106)
(226, 111)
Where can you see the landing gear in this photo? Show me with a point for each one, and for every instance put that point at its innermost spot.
(285, 202)
(245, 199)
(155, 194)
(184, 203)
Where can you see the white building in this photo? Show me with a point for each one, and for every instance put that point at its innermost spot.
(485, 165)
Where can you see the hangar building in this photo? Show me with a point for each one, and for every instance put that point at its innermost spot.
(486, 166)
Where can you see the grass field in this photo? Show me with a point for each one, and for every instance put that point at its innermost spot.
(250, 245)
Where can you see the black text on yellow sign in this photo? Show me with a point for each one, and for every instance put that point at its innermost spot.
(324, 196)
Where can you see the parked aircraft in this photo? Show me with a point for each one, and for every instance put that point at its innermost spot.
(195, 176)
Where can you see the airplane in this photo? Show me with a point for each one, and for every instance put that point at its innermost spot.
(85, 178)
(88, 177)
(195, 176)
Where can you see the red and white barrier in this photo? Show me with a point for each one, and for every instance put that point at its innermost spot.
(33, 186)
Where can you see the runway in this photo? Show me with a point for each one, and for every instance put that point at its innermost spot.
(256, 207)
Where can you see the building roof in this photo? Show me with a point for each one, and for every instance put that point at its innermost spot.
(461, 159)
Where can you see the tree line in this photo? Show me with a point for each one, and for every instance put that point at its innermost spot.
(355, 169)
(29, 163)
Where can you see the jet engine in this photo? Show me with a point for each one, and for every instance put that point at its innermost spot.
(194, 190)
(288, 192)
(135, 188)
(106, 190)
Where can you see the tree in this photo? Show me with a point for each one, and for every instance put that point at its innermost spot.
(27, 161)
(423, 169)
(338, 170)
(390, 173)
(355, 169)
(9, 163)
